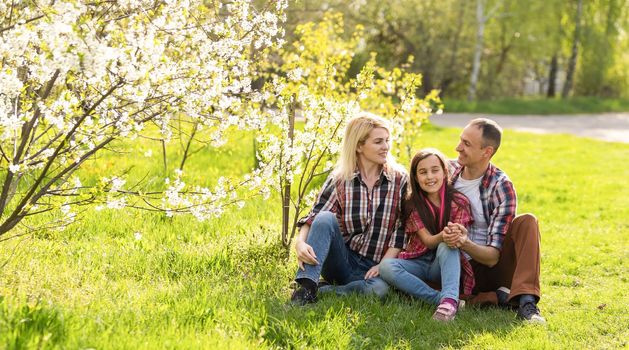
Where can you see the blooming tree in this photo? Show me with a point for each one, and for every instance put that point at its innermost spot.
(79, 78)
(315, 84)
(75, 77)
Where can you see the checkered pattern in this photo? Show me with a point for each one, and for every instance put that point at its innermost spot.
(460, 213)
(499, 204)
(369, 223)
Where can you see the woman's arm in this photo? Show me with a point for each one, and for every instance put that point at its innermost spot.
(305, 253)
(374, 271)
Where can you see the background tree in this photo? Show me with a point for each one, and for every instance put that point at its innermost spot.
(572, 63)
(526, 45)
(314, 82)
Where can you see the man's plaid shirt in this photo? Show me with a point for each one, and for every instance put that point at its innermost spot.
(369, 224)
(499, 203)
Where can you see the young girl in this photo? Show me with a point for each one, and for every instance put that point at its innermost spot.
(430, 206)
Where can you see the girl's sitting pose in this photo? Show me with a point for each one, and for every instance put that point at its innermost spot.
(430, 206)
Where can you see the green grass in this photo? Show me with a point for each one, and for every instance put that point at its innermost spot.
(539, 106)
(224, 284)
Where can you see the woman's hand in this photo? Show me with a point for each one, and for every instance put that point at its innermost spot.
(374, 271)
(305, 254)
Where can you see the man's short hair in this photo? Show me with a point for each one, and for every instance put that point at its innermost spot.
(490, 130)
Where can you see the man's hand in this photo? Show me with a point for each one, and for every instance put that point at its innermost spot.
(305, 254)
(374, 271)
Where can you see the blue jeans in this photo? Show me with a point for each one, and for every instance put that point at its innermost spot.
(337, 263)
(409, 275)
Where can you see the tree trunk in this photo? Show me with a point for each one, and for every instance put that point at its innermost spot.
(552, 77)
(286, 239)
(572, 63)
(450, 74)
(471, 95)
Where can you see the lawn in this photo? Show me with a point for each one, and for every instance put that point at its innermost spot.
(138, 280)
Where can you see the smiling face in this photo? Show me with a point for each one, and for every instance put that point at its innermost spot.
(470, 147)
(430, 175)
(375, 149)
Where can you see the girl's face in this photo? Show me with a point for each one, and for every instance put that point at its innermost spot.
(430, 175)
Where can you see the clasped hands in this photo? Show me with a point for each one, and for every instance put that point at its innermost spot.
(454, 235)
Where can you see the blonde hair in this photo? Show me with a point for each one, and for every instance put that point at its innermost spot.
(356, 133)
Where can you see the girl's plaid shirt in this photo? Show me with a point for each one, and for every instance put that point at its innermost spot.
(460, 213)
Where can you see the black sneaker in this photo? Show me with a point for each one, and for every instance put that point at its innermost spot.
(323, 283)
(303, 296)
(530, 313)
(502, 294)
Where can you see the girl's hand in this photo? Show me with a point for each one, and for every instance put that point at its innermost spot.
(450, 236)
(373, 272)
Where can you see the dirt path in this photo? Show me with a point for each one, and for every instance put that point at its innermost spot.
(608, 126)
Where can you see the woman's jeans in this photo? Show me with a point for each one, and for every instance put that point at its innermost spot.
(337, 263)
(409, 275)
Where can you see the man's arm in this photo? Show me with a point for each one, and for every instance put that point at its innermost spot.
(505, 205)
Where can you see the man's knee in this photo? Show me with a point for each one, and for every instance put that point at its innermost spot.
(525, 224)
(525, 219)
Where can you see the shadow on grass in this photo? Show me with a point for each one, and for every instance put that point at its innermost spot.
(365, 322)
(355, 321)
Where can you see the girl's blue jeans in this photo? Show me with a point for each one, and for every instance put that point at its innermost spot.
(338, 264)
(409, 275)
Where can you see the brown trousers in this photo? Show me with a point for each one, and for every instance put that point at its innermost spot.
(518, 268)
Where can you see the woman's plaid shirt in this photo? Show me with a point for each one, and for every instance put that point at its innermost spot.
(369, 223)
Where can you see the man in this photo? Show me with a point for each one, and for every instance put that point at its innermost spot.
(504, 250)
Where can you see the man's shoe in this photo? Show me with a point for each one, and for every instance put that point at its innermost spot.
(303, 296)
(530, 313)
(503, 296)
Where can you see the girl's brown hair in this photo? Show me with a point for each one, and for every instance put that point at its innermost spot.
(416, 198)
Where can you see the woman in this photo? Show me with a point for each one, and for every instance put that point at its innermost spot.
(431, 205)
(356, 220)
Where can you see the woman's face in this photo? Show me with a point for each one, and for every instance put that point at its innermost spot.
(430, 174)
(376, 147)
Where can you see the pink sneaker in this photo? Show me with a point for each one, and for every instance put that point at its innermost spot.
(445, 312)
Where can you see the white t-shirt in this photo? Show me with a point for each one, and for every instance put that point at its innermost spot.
(470, 188)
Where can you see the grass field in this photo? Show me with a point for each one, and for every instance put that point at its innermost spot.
(539, 106)
(137, 280)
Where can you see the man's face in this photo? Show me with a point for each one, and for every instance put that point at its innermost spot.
(470, 147)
